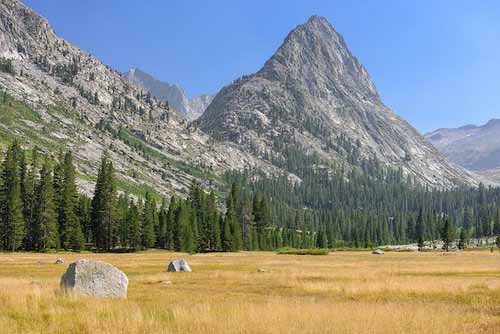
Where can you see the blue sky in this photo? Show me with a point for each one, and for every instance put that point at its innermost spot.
(435, 62)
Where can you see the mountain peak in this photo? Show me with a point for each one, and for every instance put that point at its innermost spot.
(313, 94)
(492, 122)
(315, 55)
(190, 109)
(317, 19)
(470, 146)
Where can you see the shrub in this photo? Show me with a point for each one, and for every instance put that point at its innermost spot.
(310, 251)
(6, 66)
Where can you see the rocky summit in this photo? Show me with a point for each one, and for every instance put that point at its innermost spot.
(190, 109)
(314, 94)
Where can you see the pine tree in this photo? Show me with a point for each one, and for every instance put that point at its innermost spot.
(185, 231)
(148, 222)
(227, 235)
(163, 223)
(462, 244)
(213, 223)
(28, 188)
(321, 240)
(122, 214)
(23, 178)
(446, 234)
(68, 200)
(58, 180)
(419, 229)
(84, 214)
(133, 224)
(261, 216)
(171, 224)
(45, 213)
(237, 244)
(496, 223)
(103, 206)
(11, 208)
(233, 218)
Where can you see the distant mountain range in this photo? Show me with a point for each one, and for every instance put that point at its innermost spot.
(311, 102)
(190, 109)
(470, 146)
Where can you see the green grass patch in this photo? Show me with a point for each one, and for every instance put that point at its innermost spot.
(296, 251)
(137, 189)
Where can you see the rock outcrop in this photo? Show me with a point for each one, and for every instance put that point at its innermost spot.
(179, 265)
(95, 278)
(314, 94)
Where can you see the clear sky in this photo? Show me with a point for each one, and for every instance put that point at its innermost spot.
(435, 62)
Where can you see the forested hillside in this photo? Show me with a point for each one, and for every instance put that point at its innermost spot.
(368, 205)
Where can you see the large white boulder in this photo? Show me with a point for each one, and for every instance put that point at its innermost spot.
(95, 278)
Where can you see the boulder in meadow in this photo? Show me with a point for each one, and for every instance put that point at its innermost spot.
(95, 278)
(179, 265)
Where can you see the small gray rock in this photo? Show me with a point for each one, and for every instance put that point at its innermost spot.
(378, 252)
(179, 265)
(60, 261)
(262, 270)
(95, 278)
(166, 283)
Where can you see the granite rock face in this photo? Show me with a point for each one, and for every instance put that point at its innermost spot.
(313, 93)
(87, 103)
(95, 278)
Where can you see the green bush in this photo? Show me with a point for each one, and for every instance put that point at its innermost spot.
(6, 66)
(295, 251)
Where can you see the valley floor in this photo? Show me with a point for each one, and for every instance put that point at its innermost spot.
(344, 292)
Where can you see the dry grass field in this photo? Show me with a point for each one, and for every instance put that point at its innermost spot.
(344, 292)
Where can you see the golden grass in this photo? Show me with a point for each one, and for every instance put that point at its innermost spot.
(344, 292)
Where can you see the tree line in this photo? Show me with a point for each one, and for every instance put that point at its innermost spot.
(365, 206)
(41, 209)
(368, 205)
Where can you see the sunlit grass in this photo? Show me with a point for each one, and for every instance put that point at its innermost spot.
(343, 292)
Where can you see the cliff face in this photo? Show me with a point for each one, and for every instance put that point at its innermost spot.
(82, 104)
(313, 92)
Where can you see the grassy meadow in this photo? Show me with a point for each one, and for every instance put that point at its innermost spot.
(343, 292)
